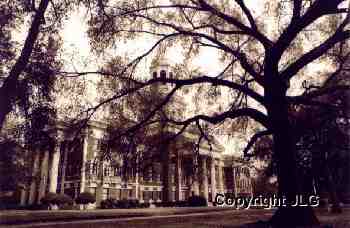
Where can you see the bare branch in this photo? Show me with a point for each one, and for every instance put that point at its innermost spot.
(253, 140)
(234, 21)
(315, 11)
(248, 14)
(297, 9)
(8, 89)
(315, 53)
(232, 114)
(305, 98)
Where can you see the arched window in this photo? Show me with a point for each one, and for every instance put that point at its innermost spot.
(162, 74)
(154, 74)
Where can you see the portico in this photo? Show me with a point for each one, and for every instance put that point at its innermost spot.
(175, 176)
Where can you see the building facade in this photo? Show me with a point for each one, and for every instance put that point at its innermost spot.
(176, 174)
(74, 169)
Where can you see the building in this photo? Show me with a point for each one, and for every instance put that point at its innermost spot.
(74, 165)
(71, 171)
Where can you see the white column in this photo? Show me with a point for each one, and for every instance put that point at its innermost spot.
(195, 183)
(204, 177)
(221, 180)
(137, 185)
(178, 178)
(33, 185)
(250, 186)
(234, 181)
(213, 179)
(64, 152)
(140, 194)
(44, 169)
(23, 196)
(54, 167)
(83, 162)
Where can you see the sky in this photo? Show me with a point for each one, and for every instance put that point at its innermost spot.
(76, 44)
(77, 49)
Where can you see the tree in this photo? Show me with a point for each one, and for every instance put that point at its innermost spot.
(265, 62)
(322, 134)
(139, 150)
(12, 165)
(37, 62)
(85, 198)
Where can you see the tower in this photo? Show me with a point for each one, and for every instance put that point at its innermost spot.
(161, 69)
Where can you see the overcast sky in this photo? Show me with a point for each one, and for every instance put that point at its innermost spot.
(78, 55)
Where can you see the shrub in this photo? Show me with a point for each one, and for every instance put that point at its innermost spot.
(128, 203)
(69, 207)
(8, 202)
(64, 199)
(50, 198)
(108, 203)
(36, 207)
(144, 205)
(172, 204)
(85, 198)
(134, 203)
(197, 201)
(124, 203)
(181, 204)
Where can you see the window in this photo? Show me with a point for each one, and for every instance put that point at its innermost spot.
(146, 196)
(88, 167)
(101, 146)
(154, 74)
(162, 74)
(106, 171)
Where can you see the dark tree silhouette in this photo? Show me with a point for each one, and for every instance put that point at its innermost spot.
(232, 32)
(34, 62)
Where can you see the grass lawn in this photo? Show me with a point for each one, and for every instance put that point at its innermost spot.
(209, 217)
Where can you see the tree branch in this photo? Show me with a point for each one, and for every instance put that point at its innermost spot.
(253, 140)
(232, 114)
(248, 14)
(233, 21)
(315, 11)
(315, 53)
(8, 91)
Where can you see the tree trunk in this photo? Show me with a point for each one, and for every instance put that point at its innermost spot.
(8, 91)
(284, 150)
(288, 183)
(165, 153)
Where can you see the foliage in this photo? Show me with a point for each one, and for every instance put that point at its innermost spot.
(261, 60)
(183, 203)
(85, 198)
(197, 201)
(8, 203)
(124, 203)
(50, 198)
(64, 199)
(263, 57)
(263, 185)
(13, 166)
(58, 199)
